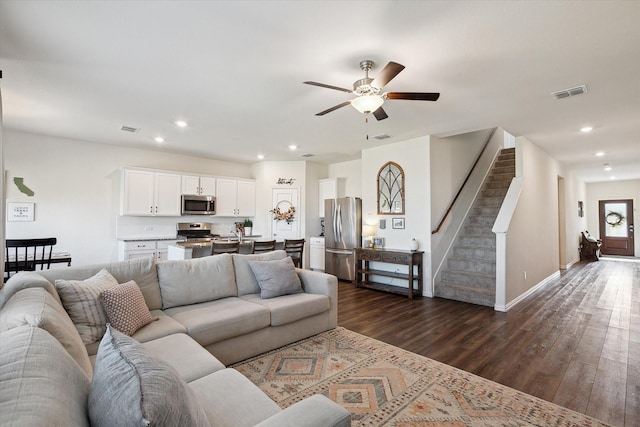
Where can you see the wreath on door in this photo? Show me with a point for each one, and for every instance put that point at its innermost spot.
(279, 214)
(614, 219)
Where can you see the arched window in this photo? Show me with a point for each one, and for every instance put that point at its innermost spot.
(391, 189)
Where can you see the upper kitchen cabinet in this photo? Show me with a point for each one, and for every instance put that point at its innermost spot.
(150, 193)
(235, 197)
(202, 185)
(330, 188)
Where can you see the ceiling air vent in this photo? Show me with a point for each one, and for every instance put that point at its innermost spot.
(307, 155)
(129, 129)
(382, 136)
(565, 93)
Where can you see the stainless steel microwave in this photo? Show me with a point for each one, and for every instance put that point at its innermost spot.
(198, 205)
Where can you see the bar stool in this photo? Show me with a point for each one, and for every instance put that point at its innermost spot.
(265, 246)
(294, 248)
(225, 248)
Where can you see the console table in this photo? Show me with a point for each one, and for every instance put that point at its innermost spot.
(391, 256)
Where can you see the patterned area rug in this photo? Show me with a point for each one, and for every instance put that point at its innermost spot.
(384, 385)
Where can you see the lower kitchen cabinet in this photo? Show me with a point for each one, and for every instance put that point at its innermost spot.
(130, 249)
(316, 253)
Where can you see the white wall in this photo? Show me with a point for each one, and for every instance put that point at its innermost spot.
(351, 171)
(413, 157)
(76, 187)
(532, 239)
(612, 190)
(574, 191)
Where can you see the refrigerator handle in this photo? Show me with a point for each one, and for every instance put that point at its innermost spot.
(339, 222)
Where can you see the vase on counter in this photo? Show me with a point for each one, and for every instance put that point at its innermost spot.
(413, 244)
(248, 231)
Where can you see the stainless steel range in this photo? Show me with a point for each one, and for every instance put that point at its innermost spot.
(196, 234)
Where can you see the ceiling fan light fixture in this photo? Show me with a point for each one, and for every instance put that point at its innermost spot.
(367, 103)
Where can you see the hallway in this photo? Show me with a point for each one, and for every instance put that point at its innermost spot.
(575, 343)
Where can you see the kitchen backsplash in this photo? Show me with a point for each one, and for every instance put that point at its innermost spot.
(132, 226)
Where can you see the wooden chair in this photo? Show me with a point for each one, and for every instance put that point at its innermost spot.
(27, 254)
(265, 246)
(294, 248)
(225, 248)
(589, 247)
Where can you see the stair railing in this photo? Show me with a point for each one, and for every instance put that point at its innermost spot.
(448, 211)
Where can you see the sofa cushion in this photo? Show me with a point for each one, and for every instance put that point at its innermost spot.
(23, 280)
(290, 308)
(125, 307)
(36, 307)
(229, 399)
(81, 300)
(142, 270)
(192, 281)
(214, 321)
(246, 280)
(173, 348)
(131, 387)
(276, 278)
(41, 384)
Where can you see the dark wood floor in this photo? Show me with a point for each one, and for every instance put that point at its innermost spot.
(575, 343)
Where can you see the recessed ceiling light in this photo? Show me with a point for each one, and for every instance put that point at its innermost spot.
(180, 123)
(600, 153)
(586, 129)
(293, 147)
(607, 166)
(613, 177)
(261, 156)
(158, 139)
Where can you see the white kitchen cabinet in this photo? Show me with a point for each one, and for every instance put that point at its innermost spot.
(235, 197)
(316, 253)
(202, 185)
(149, 193)
(330, 188)
(156, 249)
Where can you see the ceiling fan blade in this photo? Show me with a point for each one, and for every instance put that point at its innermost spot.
(322, 113)
(380, 114)
(328, 86)
(413, 96)
(391, 70)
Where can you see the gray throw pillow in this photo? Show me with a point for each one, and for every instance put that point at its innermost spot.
(131, 387)
(276, 278)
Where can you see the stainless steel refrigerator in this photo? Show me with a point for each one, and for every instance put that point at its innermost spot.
(343, 233)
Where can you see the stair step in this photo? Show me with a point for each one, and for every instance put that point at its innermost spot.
(504, 163)
(475, 280)
(474, 252)
(494, 192)
(481, 220)
(480, 241)
(466, 294)
(470, 265)
(489, 201)
(496, 184)
(478, 230)
(485, 210)
(500, 177)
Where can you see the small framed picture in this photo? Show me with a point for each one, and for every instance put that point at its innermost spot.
(398, 223)
(378, 242)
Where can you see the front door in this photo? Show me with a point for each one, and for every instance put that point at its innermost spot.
(616, 227)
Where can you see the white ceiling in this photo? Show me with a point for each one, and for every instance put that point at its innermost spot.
(234, 72)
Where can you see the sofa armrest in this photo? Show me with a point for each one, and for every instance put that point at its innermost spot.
(315, 282)
(314, 411)
(23, 280)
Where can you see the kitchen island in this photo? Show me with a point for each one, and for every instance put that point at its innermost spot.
(188, 250)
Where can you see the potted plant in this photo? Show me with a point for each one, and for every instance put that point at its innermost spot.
(248, 226)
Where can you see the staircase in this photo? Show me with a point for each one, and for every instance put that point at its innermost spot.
(470, 274)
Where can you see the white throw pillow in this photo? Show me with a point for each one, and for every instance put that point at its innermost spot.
(81, 300)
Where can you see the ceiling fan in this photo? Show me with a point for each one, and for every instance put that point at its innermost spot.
(369, 98)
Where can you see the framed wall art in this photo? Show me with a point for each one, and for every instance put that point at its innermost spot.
(397, 223)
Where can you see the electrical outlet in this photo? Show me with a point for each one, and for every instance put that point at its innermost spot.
(148, 228)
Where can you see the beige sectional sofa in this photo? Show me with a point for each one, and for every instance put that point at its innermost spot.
(207, 313)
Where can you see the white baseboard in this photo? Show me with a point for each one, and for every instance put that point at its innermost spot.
(516, 300)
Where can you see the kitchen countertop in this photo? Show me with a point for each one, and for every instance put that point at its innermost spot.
(147, 238)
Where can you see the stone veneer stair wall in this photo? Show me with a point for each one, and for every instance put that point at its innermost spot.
(470, 273)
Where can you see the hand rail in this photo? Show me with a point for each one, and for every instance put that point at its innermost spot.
(446, 214)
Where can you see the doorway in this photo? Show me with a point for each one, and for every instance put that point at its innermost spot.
(284, 199)
(616, 227)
